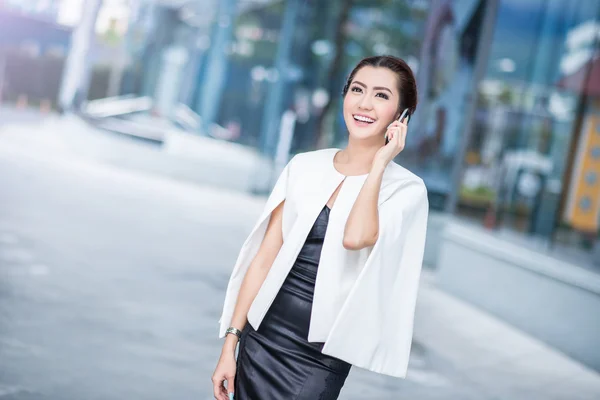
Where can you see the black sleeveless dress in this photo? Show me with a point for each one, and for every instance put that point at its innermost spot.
(276, 362)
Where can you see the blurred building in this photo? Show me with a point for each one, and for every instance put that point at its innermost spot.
(36, 37)
(508, 145)
(32, 52)
(45, 9)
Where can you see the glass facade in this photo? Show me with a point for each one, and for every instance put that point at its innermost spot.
(530, 170)
(300, 63)
(506, 130)
(446, 79)
(245, 63)
(522, 89)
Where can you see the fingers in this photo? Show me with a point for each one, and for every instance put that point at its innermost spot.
(219, 390)
(402, 136)
(396, 133)
(224, 377)
(396, 122)
(230, 386)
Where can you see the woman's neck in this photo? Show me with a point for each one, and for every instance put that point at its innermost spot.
(357, 157)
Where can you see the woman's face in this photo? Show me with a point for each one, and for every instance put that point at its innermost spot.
(371, 103)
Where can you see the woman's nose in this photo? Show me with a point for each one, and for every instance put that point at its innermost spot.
(365, 103)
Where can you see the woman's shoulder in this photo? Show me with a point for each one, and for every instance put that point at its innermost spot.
(401, 175)
(403, 186)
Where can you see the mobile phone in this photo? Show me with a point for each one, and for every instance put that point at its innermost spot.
(404, 114)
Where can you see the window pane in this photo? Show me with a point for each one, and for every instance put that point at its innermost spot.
(525, 170)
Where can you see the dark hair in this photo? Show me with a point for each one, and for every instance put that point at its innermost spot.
(407, 85)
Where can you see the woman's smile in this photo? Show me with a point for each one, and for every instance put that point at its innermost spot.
(363, 120)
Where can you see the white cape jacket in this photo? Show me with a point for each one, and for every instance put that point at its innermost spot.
(364, 300)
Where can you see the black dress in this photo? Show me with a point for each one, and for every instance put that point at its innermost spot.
(276, 362)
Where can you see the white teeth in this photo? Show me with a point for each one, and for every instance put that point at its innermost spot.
(363, 119)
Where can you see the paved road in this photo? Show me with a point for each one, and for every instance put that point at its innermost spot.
(183, 157)
(10, 115)
(110, 283)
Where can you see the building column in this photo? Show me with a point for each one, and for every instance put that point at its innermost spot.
(273, 106)
(75, 78)
(483, 51)
(216, 64)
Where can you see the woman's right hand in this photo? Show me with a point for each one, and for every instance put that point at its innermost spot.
(225, 371)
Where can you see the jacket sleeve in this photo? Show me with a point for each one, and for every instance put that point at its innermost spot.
(251, 246)
(375, 326)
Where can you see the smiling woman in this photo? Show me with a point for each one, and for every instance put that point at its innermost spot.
(377, 90)
(328, 277)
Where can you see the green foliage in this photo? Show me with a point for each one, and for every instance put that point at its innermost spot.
(478, 195)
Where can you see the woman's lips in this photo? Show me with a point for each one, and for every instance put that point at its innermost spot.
(361, 123)
(358, 122)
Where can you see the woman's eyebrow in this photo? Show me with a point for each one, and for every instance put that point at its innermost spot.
(375, 88)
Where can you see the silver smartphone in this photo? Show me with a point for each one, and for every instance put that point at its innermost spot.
(404, 114)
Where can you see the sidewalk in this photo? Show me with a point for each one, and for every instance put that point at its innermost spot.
(459, 352)
(182, 157)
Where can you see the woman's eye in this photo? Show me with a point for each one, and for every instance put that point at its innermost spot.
(385, 96)
(356, 89)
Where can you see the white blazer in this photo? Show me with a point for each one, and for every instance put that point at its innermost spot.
(364, 300)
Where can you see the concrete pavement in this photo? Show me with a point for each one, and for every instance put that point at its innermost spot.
(182, 157)
(116, 275)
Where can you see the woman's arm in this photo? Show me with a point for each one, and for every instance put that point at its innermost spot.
(362, 226)
(253, 280)
(256, 274)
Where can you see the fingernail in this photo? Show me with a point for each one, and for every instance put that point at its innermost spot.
(230, 396)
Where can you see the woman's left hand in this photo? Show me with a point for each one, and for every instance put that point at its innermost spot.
(396, 133)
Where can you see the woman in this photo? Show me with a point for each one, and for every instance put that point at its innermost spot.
(328, 276)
